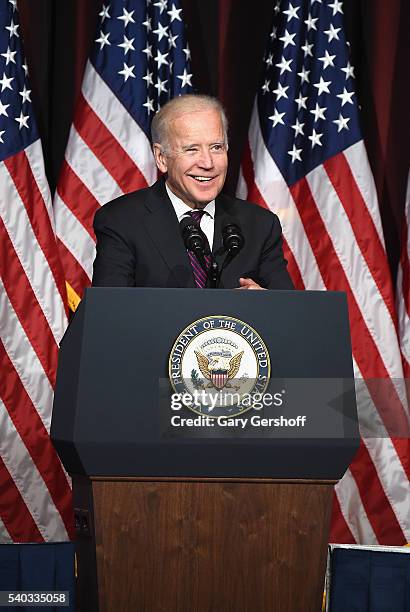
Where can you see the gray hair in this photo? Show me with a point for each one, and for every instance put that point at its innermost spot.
(187, 102)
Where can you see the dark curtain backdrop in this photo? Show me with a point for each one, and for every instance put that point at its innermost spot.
(227, 39)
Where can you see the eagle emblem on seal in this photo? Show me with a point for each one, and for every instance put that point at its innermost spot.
(219, 368)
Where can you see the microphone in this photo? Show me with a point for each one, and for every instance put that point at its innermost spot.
(233, 239)
(193, 238)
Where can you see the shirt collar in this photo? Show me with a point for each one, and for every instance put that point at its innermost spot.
(181, 209)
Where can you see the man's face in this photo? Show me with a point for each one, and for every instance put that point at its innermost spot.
(196, 160)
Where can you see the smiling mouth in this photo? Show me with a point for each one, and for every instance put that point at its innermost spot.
(202, 179)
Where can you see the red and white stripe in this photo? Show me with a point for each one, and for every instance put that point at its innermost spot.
(403, 291)
(35, 501)
(333, 240)
(107, 155)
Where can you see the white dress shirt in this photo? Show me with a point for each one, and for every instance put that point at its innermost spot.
(207, 221)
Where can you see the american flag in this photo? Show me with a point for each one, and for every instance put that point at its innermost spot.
(140, 59)
(35, 500)
(403, 291)
(305, 159)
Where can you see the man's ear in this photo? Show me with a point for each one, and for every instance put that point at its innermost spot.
(160, 158)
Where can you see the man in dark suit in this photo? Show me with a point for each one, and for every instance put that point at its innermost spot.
(139, 242)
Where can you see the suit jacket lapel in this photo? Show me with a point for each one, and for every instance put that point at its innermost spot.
(162, 225)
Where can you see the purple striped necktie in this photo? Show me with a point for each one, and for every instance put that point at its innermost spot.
(200, 275)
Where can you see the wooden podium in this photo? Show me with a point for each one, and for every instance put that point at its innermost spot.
(202, 524)
(204, 545)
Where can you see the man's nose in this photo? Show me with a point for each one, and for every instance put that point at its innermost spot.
(205, 160)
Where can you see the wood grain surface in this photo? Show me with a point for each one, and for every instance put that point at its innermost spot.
(211, 546)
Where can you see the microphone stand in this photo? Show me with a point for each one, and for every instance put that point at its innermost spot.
(226, 261)
(233, 242)
(213, 275)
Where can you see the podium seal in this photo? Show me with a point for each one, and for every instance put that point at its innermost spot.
(217, 365)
